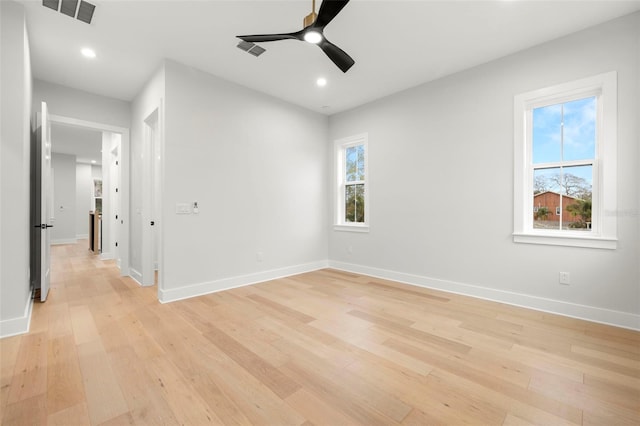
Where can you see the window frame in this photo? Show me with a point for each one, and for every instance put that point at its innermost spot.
(340, 149)
(604, 206)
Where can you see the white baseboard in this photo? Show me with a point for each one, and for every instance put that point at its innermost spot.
(106, 256)
(82, 236)
(59, 241)
(573, 310)
(137, 276)
(172, 295)
(19, 325)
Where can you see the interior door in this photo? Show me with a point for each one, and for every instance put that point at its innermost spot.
(44, 200)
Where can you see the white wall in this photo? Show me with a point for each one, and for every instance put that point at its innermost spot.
(64, 198)
(15, 134)
(85, 174)
(73, 103)
(441, 173)
(84, 199)
(257, 167)
(148, 100)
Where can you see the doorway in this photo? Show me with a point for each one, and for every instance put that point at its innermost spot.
(151, 202)
(112, 198)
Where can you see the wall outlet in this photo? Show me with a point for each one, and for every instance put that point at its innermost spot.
(259, 256)
(564, 278)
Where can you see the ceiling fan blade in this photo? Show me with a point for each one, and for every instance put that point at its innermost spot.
(328, 10)
(261, 38)
(337, 55)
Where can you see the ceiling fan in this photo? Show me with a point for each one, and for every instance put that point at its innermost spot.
(313, 33)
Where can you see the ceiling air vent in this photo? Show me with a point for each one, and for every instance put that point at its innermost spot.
(252, 48)
(78, 9)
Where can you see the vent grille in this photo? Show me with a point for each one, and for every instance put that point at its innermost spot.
(251, 48)
(78, 9)
(85, 12)
(51, 4)
(245, 45)
(256, 50)
(69, 7)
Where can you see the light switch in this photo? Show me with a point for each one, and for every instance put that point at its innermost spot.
(183, 208)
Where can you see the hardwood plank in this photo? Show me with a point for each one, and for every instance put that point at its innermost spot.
(325, 347)
(64, 380)
(550, 405)
(30, 371)
(316, 410)
(579, 395)
(84, 328)
(74, 415)
(30, 411)
(187, 405)
(9, 349)
(272, 377)
(104, 396)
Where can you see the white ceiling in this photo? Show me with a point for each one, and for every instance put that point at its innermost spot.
(396, 44)
(85, 144)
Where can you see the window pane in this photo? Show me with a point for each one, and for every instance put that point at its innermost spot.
(577, 203)
(546, 133)
(577, 181)
(360, 203)
(351, 165)
(547, 180)
(354, 203)
(360, 149)
(354, 163)
(579, 141)
(572, 185)
(546, 197)
(349, 203)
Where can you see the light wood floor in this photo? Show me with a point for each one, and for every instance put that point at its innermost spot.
(324, 348)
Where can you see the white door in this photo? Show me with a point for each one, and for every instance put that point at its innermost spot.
(44, 195)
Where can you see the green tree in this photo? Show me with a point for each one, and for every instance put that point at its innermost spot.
(542, 213)
(582, 210)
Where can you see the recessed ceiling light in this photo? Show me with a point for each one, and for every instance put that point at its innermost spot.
(321, 82)
(312, 37)
(93, 161)
(88, 53)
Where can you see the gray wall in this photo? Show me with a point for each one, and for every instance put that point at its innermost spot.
(15, 115)
(441, 181)
(257, 167)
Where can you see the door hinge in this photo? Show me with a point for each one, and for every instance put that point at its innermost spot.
(116, 244)
(116, 189)
(116, 217)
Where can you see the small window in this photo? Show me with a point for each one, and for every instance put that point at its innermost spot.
(352, 212)
(564, 136)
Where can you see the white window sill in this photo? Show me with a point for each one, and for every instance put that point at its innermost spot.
(586, 241)
(351, 228)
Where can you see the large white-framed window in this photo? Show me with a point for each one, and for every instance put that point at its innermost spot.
(352, 184)
(565, 139)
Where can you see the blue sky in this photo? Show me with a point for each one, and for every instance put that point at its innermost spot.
(578, 141)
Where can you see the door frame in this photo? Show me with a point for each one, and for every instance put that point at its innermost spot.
(152, 184)
(123, 243)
